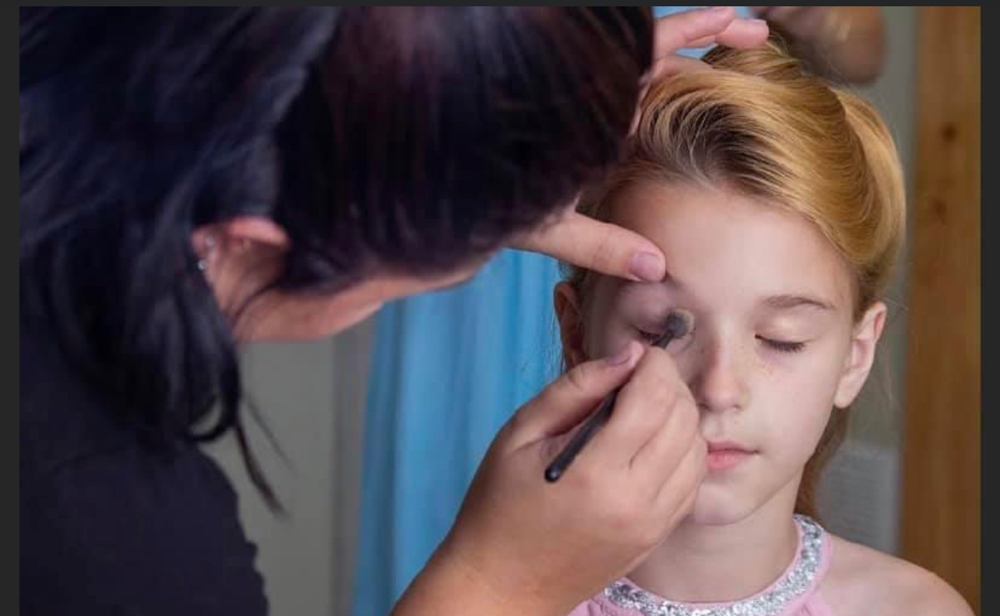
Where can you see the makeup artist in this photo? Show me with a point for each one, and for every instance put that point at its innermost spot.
(193, 180)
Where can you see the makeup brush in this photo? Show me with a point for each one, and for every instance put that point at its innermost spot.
(677, 325)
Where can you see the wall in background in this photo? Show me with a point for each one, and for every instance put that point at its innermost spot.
(859, 496)
(311, 397)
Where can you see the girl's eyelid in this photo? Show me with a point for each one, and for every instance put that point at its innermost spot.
(778, 345)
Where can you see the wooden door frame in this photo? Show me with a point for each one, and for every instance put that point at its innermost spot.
(940, 525)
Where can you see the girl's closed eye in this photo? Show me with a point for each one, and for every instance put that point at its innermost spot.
(648, 337)
(782, 346)
(652, 335)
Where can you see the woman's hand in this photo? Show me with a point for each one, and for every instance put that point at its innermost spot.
(523, 546)
(610, 249)
(845, 43)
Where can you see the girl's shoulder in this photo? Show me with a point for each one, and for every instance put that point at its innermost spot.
(862, 580)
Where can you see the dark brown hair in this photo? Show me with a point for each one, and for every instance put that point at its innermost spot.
(407, 139)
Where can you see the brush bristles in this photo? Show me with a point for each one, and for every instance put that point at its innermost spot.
(678, 324)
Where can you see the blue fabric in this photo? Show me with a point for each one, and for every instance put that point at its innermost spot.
(448, 369)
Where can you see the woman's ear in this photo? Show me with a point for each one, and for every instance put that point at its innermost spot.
(861, 356)
(237, 236)
(568, 312)
(257, 230)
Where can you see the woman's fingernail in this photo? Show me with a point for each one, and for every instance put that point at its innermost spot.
(647, 266)
(721, 9)
(621, 357)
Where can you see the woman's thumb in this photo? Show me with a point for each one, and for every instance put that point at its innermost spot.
(572, 397)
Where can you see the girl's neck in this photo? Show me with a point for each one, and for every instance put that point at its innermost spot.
(719, 564)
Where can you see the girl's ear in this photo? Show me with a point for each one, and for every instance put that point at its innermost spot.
(567, 307)
(861, 356)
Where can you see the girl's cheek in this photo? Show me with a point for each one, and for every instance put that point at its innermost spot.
(603, 339)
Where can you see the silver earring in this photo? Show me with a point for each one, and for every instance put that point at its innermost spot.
(209, 248)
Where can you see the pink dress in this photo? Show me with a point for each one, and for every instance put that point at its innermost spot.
(795, 593)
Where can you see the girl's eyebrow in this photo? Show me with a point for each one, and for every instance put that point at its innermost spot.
(781, 302)
(788, 302)
(668, 282)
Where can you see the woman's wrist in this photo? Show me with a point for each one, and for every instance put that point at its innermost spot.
(451, 585)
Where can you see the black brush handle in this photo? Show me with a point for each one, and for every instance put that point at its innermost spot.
(581, 438)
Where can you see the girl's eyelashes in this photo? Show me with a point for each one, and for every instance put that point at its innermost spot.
(652, 337)
(649, 337)
(651, 332)
(782, 346)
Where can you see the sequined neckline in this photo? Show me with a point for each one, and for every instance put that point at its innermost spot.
(796, 581)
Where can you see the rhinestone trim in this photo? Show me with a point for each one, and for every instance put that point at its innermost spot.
(768, 603)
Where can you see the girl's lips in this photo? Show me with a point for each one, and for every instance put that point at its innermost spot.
(726, 455)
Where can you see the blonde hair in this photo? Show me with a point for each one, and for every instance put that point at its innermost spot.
(759, 124)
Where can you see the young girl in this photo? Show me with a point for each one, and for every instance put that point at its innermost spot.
(779, 204)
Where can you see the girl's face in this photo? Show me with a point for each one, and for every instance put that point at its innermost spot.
(774, 346)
